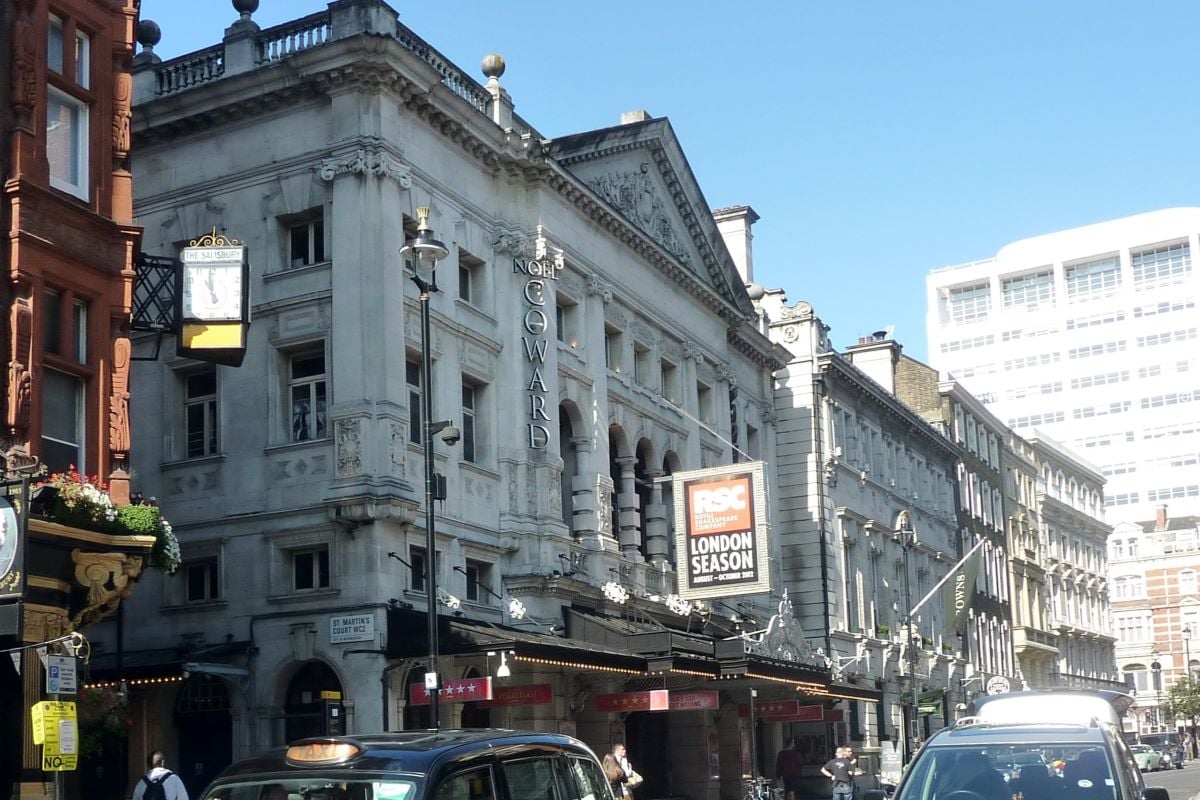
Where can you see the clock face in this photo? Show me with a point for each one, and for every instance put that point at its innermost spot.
(212, 291)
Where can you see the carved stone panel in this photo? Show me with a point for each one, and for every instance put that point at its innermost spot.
(397, 448)
(604, 491)
(348, 447)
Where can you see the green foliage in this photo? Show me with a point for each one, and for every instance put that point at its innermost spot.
(1183, 700)
(84, 502)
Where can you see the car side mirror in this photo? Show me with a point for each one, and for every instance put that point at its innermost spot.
(880, 794)
(1155, 793)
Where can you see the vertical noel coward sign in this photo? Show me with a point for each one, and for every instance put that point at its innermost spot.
(721, 530)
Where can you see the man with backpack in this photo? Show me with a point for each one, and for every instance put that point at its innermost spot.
(159, 783)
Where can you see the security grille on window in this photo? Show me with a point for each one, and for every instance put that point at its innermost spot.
(310, 569)
(67, 109)
(307, 392)
(412, 374)
(969, 303)
(1089, 280)
(62, 420)
(467, 444)
(202, 580)
(306, 243)
(200, 412)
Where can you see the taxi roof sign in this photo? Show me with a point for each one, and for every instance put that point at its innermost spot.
(322, 752)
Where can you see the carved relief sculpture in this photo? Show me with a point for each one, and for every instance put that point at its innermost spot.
(636, 197)
(399, 448)
(19, 377)
(118, 410)
(363, 161)
(349, 448)
(122, 100)
(23, 78)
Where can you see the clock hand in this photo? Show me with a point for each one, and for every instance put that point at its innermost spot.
(212, 289)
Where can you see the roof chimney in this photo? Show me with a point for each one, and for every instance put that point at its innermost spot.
(734, 224)
(877, 355)
(640, 115)
(1160, 518)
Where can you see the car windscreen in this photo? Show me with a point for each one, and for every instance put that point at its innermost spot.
(1037, 773)
(313, 787)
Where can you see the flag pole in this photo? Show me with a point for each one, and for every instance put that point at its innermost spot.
(946, 577)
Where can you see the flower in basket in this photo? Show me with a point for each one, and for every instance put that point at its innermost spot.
(80, 501)
(83, 502)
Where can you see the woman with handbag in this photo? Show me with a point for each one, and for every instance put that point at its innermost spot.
(620, 773)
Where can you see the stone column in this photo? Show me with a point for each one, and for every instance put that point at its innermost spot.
(585, 500)
(657, 529)
(629, 517)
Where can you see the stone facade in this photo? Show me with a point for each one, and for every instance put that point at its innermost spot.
(1071, 508)
(591, 336)
(981, 510)
(867, 517)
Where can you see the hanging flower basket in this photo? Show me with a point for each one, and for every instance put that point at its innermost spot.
(79, 501)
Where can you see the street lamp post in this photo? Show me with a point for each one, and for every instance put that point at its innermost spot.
(1187, 654)
(1156, 678)
(907, 536)
(423, 253)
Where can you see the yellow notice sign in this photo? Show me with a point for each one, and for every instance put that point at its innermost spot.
(329, 695)
(53, 762)
(55, 727)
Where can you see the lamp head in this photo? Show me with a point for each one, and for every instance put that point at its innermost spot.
(424, 252)
(503, 671)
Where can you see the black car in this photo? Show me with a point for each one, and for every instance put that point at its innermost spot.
(483, 764)
(1065, 749)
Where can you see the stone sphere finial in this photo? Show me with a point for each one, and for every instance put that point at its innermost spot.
(148, 34)
(493, 65)
(245, 7)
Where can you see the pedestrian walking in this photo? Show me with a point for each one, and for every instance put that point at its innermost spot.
(840, 770)
(159, 783)
(789, 768)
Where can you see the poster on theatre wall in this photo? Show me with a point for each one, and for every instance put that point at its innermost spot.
(721, 531)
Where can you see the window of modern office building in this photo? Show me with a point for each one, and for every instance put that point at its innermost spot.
(1161, 266)
(1028, 291)
(969, 303)
(1093, 279)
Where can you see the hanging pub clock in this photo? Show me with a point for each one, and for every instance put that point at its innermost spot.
(213, 296)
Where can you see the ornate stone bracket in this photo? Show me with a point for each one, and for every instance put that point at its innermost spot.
(108, 578)
(511, 240)
(599, 288)
(367, 161)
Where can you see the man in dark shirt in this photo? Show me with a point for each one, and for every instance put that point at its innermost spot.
(840, 770)
(789, 768)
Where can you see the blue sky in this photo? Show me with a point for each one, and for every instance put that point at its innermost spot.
(877, 140)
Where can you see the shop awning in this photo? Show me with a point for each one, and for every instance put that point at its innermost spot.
(159, 665)
(408, 638)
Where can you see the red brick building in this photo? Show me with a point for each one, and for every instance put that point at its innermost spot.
(68, 257)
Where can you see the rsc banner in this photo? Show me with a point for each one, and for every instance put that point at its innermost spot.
(721, 531)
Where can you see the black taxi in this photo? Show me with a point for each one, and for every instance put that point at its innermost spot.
(482, 764)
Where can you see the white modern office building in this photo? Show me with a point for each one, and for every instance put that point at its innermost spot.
(1088, 334)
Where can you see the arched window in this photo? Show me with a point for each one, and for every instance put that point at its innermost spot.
(1137, 677)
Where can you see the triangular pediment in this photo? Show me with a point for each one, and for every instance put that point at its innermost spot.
(640, 171)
